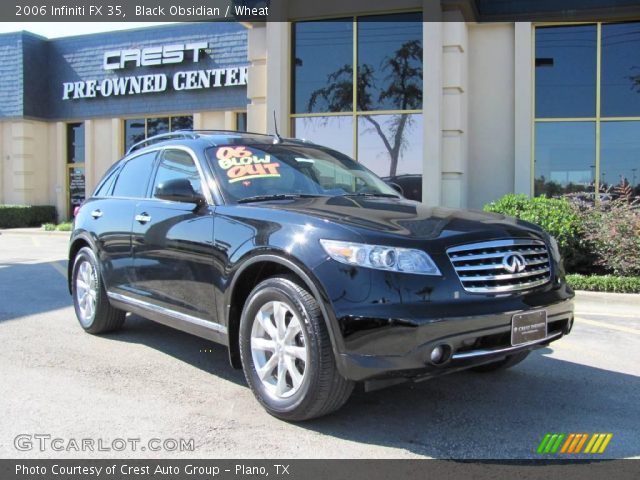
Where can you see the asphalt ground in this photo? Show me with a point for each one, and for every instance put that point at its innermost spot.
(151, 382)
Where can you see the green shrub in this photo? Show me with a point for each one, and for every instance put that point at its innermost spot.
(49, 227)
(604, 283)
(614, 232)
(559, 218)
(64, 227)
(17, 216)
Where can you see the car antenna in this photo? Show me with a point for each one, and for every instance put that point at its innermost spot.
(276, 137)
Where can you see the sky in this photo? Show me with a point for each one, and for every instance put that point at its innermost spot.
(65, 29)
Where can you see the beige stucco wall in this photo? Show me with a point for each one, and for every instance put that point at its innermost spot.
(491, 112)
(25, 162)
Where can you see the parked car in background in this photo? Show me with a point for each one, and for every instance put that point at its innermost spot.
(310, 269)
(409, 185)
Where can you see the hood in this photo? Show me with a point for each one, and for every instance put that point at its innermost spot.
(371, 216)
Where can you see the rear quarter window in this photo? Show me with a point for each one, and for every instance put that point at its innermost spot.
(134, 176)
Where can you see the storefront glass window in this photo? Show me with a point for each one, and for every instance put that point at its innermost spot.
(621, 69)
(134, 131)
(390, 62)
(565, 158)
(322, 61)
(137, 129)
(75, 166)
(156, 126)
(333, 132)
(75, 143)
(390, 145)
(620, 158)
(586, 132)
(241, 121)
(181, 123)
(566, 71)
(383, 127)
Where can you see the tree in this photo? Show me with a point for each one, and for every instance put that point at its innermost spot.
(403, 87)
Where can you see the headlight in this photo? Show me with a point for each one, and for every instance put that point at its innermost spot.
(383, 258)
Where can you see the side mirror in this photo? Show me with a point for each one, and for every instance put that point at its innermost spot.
(178, 190)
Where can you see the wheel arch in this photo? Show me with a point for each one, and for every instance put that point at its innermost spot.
(78, 242)
(258, 268)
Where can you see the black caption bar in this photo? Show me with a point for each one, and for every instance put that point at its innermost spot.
(315, 469)
(288, 10)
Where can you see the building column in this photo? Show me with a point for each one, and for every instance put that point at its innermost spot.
(523, 60)
(257, 74)
(432, 104)
(59, 165)
(278, 76)
(454, 109)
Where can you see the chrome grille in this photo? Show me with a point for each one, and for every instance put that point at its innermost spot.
(488, 267)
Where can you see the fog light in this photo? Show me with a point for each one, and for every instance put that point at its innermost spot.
(437, 354)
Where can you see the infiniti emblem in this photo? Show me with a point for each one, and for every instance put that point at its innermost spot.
(514, 263)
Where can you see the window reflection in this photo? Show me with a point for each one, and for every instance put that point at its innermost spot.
(621, 70)
(620, 158)
(182, 123)
(566, 71)
(75, 143)
(564, 158)
(134, 131)
(390, 62)
(334, 132)
(322, 58)
(390, 145)
(156, 126)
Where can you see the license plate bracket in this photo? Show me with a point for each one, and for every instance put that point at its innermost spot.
(527, 327)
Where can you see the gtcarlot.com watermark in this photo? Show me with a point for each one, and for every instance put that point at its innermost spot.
(44, 442)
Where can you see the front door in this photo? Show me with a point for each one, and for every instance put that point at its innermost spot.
(172, 244)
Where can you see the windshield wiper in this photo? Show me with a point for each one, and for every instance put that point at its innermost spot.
(371, 194)
(278, 196)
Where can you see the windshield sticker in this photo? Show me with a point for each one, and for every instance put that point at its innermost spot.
(240, 163)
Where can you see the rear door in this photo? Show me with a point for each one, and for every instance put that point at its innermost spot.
(111, 213)
(172, 243)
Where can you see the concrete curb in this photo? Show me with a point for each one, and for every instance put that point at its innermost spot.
(610, 303)
(32, 231)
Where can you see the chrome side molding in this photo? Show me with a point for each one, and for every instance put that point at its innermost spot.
(183, 317)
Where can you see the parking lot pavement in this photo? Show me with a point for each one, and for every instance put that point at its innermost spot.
(148, 381)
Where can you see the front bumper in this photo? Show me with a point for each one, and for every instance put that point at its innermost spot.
(467, 346)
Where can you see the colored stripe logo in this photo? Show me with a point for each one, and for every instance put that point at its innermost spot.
(553, 443)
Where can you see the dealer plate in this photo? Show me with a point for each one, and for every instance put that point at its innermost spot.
(528, 327)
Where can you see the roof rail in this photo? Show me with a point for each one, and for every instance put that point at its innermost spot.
(161, 137)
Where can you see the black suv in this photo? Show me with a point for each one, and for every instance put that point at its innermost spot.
(310, 269)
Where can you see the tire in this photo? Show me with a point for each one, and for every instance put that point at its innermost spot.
(510, 361)
(90, 301)
(310, 385)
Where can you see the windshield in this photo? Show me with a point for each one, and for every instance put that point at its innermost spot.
(248, 171)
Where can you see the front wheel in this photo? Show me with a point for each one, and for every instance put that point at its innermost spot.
(508, 362)
(286, 352)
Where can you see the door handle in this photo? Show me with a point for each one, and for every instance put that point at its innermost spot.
(143, 218)
(96, 213)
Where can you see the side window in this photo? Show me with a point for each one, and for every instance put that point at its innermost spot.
(176, 164)
(104, 188)
(134, 176)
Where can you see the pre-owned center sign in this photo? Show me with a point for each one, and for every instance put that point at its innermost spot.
(158, 82)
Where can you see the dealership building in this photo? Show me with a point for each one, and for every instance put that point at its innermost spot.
(449, 92)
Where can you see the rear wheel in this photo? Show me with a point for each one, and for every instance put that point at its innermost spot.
(508, 362)
(286, 352)
(94, 312)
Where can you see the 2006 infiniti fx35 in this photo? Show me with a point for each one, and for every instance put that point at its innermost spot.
(310, 269)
